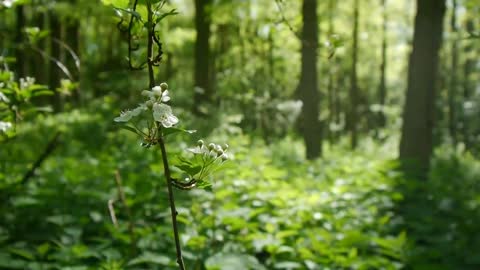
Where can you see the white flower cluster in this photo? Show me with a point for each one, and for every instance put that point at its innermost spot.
(26, 82)
(212, 151)
(3, 98)
(5, 126)
(162, 113)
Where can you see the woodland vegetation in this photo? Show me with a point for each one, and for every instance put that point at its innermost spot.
(261, 134)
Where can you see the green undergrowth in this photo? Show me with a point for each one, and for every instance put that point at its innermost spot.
(269, 209)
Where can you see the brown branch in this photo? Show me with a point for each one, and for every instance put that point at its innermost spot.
(52, 144)
(171, 198)
(168, 178)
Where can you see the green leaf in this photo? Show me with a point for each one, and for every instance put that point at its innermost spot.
(151, 258)
(129, 128)
(22, 253)
(163, 15)
(233, 261)
(190, 169)
(173, 130)
(132, 12)
(116, 3)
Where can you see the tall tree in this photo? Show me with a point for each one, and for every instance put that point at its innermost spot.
(307, 87)
(55, 53)
(418, 116)
(19, 41)
(330, 87)
(203, 90)
(382, 89)
(452, 121)
(72, 33)
(354, 97)
(467, 84)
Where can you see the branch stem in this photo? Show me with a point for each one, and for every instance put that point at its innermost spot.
(171, 198)
(161, 142)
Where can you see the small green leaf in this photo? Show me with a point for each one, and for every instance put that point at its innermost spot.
(190, 169)
(129, 128)
(174, 130)
(116, 3)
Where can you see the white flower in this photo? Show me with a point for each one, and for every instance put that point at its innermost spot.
(125, 116)
(4, 126)
(3, 98)
(165, 97)
(163, 113)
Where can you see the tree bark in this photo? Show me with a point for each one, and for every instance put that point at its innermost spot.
(203, 92)
(382, 89)
(330, 71)
(418, 116)
(72, 40)
(452, 121)
(308, 88)
(55, 52)
(353, 110)
(19, 42)
(467, 84)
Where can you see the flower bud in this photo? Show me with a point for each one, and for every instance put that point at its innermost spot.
(211, 146)
(224, 157)
(200, 143)
(164, 86)
(225, 146)
(218, 148)
(149, 104)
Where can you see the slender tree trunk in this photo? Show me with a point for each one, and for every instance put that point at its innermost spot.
(203, 91)
(353, 113)
(72, 40)
(330, 90)
(467, 85)
(308, 88)
(382, 91)
(452, 121)
(19, 42)
(39, 62)
(55, 52)
(418, 117)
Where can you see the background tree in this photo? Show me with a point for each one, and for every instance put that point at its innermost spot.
(418, 117)
(203, 91)
(308, 89)
(354, 92)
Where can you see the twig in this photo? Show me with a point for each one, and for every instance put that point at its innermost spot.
(56, 61)
(171, 198)
(123, 200)
(48, 150)
(70, 51)
(285, 21)
(111, 210)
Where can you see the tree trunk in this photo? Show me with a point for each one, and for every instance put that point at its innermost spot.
(308, 81)
(72, 40)
(452, 121)
(203, 93)
(382, 89)
(19, 42)
(330, 70)
(353, 112)
(468, 67)
(418, 116)
(55, 53)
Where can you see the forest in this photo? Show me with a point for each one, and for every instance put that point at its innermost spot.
(239, 134)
